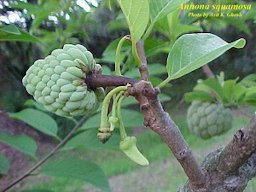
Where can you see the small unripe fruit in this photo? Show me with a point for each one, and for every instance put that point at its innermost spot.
(208, 119)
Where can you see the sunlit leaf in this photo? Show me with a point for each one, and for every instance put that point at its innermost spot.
(192, 51)
(161, 8)
(137, 16)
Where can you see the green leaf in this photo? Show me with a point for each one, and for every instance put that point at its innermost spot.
(39, 120)
(250, 94)
(239, 93)
(12, 33)
(192, 51)
(156, 81)
(77, 169)
(12, 29)
(153, 46)
(216, 89)
(161, 8)
(4, 164)
(33, 103)
(202, 87)
(198, 95)
(228, 90)
(109, 53)
(137, 16)
(23, 143)
(249, 81)
(88, 139)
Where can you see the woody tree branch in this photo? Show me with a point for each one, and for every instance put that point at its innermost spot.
(239, 149)
(160, 122)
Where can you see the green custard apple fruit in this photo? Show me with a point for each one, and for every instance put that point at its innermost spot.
(57, 81)
(208, 119)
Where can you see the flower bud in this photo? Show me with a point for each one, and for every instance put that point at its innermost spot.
(128, 146)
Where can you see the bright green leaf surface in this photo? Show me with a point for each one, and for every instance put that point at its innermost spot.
(229, 88)
(23, 143)
(137, 16)
(215, 87)
(37, 119)
(77, 169)
(4, 164)
(161, 8)
(192, 51)
(239, 93)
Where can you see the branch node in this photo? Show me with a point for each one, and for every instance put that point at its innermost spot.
(183, 154)
(144, 107)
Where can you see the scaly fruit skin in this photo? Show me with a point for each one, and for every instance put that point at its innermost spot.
(57, 81)
(208, 119)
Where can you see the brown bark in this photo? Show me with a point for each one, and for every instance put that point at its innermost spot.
(239, 149)
(97, 80)
(160, 122)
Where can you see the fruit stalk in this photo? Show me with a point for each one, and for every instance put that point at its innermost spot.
(97, 80)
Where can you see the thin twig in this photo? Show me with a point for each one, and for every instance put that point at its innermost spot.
(144, 64)
(42, 161)
(207, 71)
